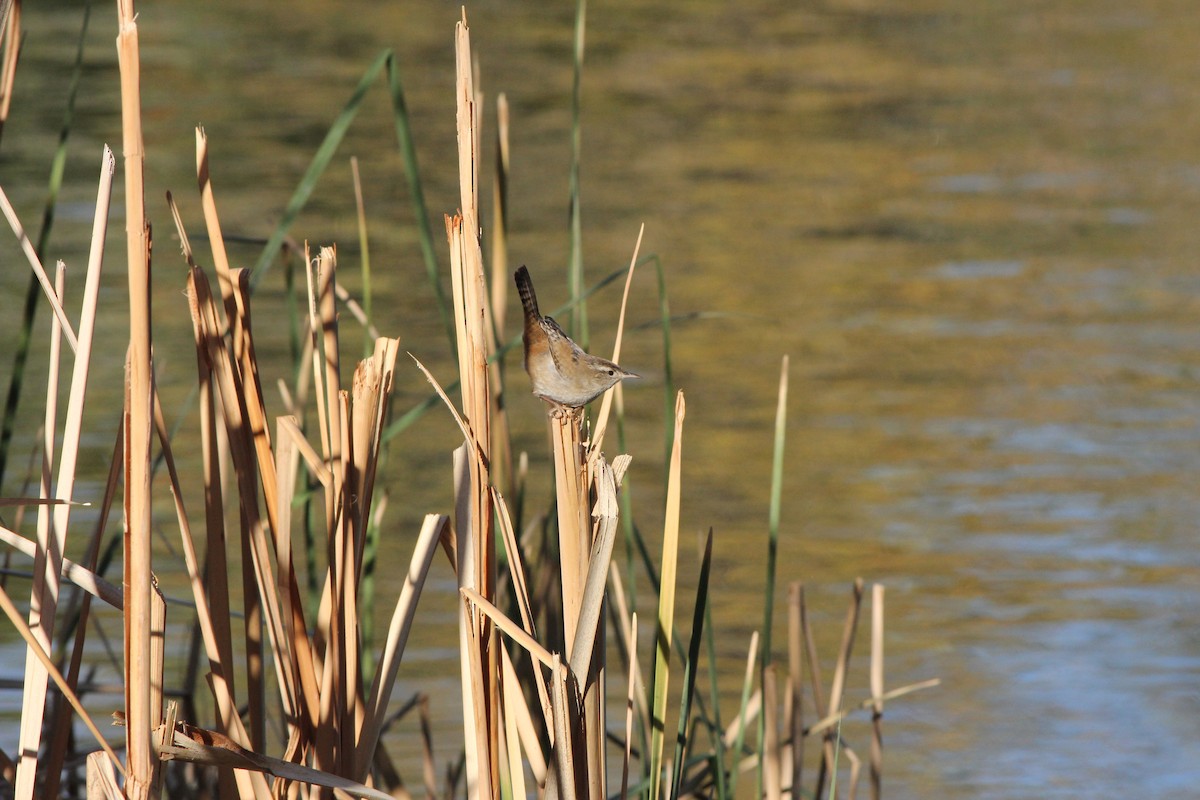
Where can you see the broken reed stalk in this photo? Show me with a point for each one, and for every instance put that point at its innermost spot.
(141, 717)
(474, 518)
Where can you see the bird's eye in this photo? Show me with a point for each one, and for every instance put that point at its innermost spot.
(610, 372)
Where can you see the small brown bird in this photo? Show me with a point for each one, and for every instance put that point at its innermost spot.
(558, 368)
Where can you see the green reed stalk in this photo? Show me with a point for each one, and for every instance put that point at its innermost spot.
(689, 669)
(716, 730)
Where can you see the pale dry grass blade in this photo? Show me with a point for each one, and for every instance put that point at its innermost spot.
(289, 430)
(876, 754)
(606, 403)
(47, 287)
(830, 721)
(630, 693)
(158, 640)
(52, 672)
(73, 424)
(735, 734)
(666, 599)
(397, 637)
(518, 717)
(514, 631)
(43, 597)
(520, 589)
(629, 638)
(77, 574)
(513, 707)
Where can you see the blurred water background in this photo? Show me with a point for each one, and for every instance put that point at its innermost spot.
(971, 225)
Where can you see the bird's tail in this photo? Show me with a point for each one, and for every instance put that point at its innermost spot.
(525, 290)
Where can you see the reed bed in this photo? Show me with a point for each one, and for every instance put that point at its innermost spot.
(299, 700)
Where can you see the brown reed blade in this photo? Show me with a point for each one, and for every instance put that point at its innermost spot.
(211, 748)
(220, 669)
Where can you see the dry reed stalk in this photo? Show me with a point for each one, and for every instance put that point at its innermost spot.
(141, 717)
(186, 742)
(474, 511)
(502, 457)
(101, 780)
(43, 598)
(631, 691)
(517, 713)
(77, 574)
(876, 690)
(57, 751)
(855, 771)
(849, 628)
(10, 50)
(796, 685)
(628, 638)
(609, 397)
(14, 616)
(221, 391)
(397, 637)
(772, 761)
(520, 589)
(221, 675)
(35, 263)
(53, 522)
(566, 774)
(514, 709)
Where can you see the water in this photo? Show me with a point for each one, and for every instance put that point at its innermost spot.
(971, 226)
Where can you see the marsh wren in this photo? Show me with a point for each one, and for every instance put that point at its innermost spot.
(558, 368)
